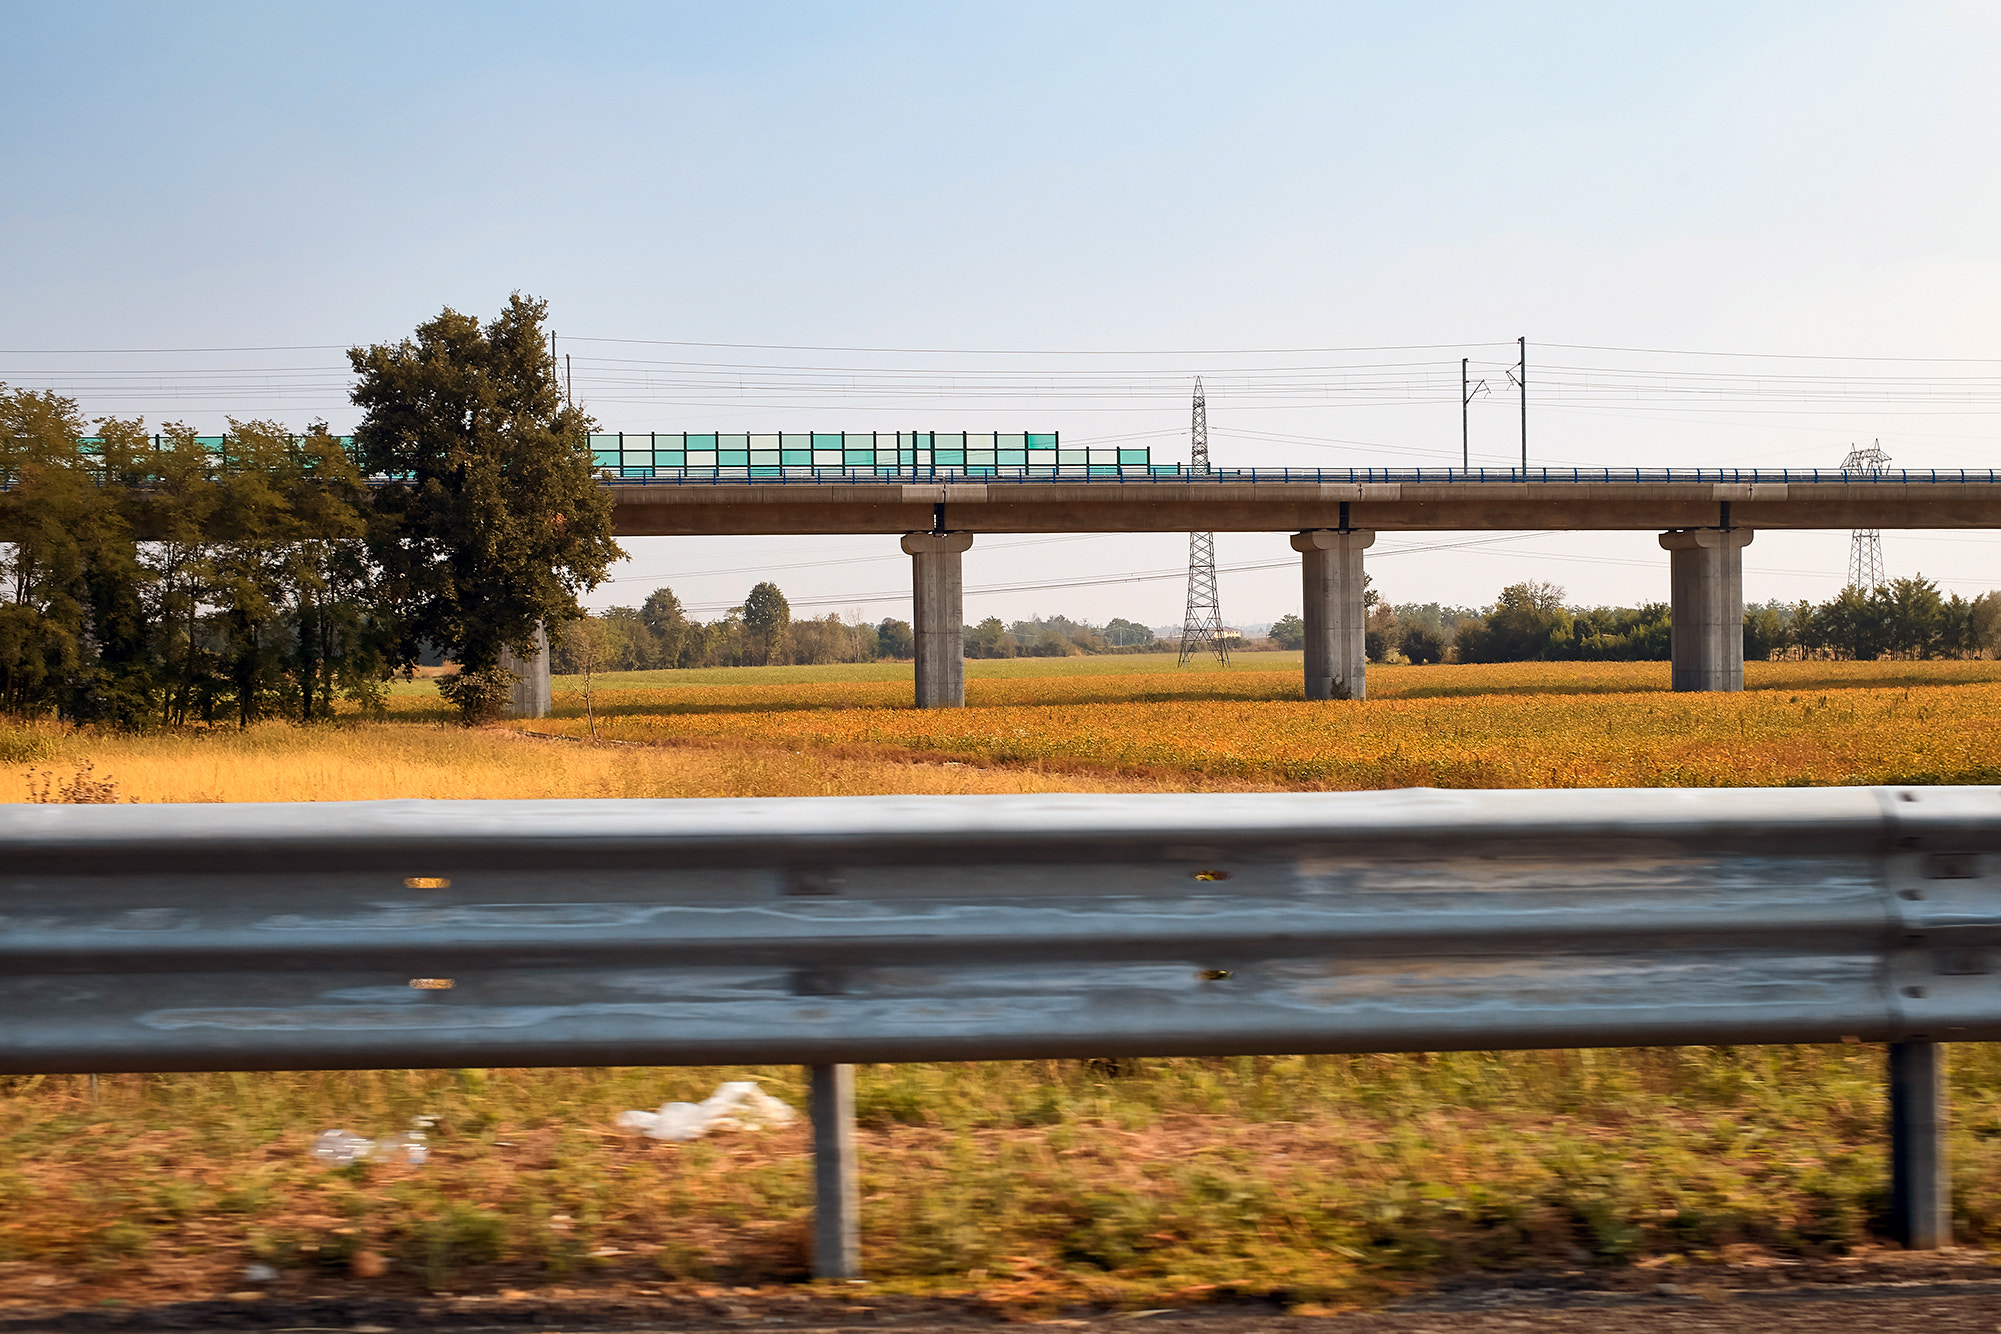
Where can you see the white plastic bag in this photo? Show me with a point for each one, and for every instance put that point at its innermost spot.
(736, 1105)
(342, 1147)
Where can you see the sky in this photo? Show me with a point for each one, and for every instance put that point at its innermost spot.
(1734, 235)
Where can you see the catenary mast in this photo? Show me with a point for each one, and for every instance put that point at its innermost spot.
(1202, 623)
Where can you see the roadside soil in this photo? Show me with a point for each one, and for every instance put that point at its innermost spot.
(1948, 1291)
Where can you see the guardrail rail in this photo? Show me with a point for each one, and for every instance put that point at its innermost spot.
(833, 931)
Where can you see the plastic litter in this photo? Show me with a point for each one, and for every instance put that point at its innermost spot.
(738, 1104)
(258, 1272)
(342, 1147)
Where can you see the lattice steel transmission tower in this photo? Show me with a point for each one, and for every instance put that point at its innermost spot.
(1865, 548)
(1202, 623)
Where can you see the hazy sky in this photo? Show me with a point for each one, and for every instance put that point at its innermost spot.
(1052, 217)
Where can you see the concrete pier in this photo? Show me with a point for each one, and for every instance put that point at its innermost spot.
(1331, 578)
(531, 697)
(1708, 604)
(940, 617)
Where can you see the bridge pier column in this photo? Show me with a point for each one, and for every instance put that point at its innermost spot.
(1707, 600)
(940, 617)
(531, 696)
(1336, 620)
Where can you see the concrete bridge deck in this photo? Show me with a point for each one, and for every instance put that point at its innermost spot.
(1226, 504)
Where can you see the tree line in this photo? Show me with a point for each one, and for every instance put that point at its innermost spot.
(761, 631)
(148, 581)
(1528, 622)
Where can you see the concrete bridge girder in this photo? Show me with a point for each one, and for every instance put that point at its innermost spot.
(1112, 506)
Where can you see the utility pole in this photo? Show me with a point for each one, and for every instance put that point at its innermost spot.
(1202, 622)
(569, 381)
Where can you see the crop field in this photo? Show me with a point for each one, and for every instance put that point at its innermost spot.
(1328, 1180)
(1508, 725)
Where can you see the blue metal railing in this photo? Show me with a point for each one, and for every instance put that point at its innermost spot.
(1176, 473)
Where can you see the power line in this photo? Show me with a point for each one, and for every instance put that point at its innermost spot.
(1044, 352)
(1776, 356)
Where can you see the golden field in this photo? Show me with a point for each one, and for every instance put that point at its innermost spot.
(1507, 725)
(1085, 725)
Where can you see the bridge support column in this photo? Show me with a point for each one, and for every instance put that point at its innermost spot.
(1707, 581)
(940, 619)
(1331, 576)
(531, 697)
(1920, 1179)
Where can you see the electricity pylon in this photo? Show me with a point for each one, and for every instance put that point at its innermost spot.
(1865, 547)
(1202, 623)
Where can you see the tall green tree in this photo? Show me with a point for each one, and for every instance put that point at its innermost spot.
(664, 617)
(183, 519)
(490, 521)
(895, 639)
(72, 630)
(766, 617)
(43, 601)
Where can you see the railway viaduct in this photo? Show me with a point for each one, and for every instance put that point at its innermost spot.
(1705, 520)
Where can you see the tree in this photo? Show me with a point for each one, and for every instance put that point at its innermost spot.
(663, 616)
(895, 639)
(1851, 624)
(327, 584)
(629, 645)
(1765, 630)
(766, 617)
(1289, 632)
(1128, 634)
(1913, 616)
(588, 645)
(989, 639)
(1527, 622)
(1422, 644)
(115, 683)
(54, 515)
(491, 520)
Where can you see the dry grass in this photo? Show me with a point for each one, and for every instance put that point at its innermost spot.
(1322, 1178)
(379, 761)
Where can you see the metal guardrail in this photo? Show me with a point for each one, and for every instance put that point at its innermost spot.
(1129, 473)
(830, 931)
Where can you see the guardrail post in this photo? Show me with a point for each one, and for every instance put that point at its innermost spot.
(940, 616)
(837, 1242)
(1330, 563)
(1707, 602)
(1920, 1175)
